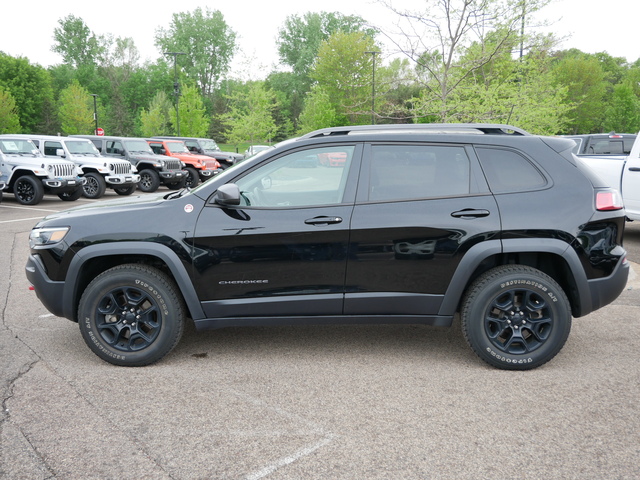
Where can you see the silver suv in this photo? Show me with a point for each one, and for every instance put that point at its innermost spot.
(27, 174)
(100, 172)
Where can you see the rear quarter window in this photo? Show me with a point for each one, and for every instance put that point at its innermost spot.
(508, 171)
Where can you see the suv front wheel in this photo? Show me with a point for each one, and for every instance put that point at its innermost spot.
(515, 317)
(131, 315)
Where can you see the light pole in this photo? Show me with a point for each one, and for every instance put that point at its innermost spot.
(95, 111)
(373, 86)
(176, 86)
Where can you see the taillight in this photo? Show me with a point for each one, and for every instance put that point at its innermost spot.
(608, 200)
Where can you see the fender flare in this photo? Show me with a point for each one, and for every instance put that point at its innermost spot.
(164, 253)
(478, 253)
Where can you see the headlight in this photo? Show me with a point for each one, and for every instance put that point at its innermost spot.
(47, 236)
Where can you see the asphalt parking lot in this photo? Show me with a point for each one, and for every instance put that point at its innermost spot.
(330, 402)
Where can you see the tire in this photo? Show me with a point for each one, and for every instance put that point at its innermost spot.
(71, 196)
(95, 186)
(28, 190)
(131, 315)
(128, 190)
(515, 317)
(192, 177)
(149, 180)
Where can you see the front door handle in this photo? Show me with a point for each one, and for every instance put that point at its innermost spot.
(323, 220)
(469, 213)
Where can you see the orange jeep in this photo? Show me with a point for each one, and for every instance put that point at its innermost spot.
(198, 167)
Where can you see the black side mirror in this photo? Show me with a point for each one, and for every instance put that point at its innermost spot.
(228, 194)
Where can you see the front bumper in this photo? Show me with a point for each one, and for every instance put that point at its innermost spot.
(62, 185)
(49, 292)
(172, 175)
(122, 180)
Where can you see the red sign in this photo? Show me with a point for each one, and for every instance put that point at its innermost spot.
(99, 131)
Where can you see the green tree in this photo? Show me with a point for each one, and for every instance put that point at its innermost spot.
(30, 87)
(586, 85)
(208, 42)
(507, 90)
(76, 110)
(250, 116)
(75, 42)
(623, 113)
(156, 120)
(435, 39)
(118, 68)
(290, 92)
(193, 121)
(9, 119)
(344, 70)
(300, 38)
(318, 111)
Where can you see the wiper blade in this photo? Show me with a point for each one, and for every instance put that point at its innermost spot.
(177, 194)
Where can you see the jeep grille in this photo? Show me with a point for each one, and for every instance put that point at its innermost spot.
(62, 170)
(122, 168)
(173, 165)
(211, 164)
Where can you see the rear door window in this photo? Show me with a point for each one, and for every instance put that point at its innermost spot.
(409, 172)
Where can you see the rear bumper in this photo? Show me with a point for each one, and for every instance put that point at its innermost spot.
(606, 290)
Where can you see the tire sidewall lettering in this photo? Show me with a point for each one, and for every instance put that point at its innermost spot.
(151, 289)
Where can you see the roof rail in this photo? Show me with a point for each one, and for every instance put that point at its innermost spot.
(440, 128)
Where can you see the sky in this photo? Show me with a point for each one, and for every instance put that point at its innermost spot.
(27, 28)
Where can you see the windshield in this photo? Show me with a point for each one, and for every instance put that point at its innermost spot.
(77, 147)
(15, 147)
(177, 147)
(138, 146)
(209, 145)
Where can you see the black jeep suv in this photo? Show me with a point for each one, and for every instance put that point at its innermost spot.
(405, 224)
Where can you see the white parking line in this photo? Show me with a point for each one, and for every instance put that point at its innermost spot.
(310, 429)
(268, 470)
(30, 208)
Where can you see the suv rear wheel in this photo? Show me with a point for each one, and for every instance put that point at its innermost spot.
(131, 315)
(515, 317)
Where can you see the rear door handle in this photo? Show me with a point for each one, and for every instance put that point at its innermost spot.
(323, 220)
(469, 213)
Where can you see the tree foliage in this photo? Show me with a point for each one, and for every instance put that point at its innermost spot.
(435, 39)
(9, 119)
(193, 121)
(250, 117)
(30, 87)
(300, 38)
(461, 60)
(344, 70)
(318, 111)
(207, 41)
(75, 42)
(76, 110)
(156, 120)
